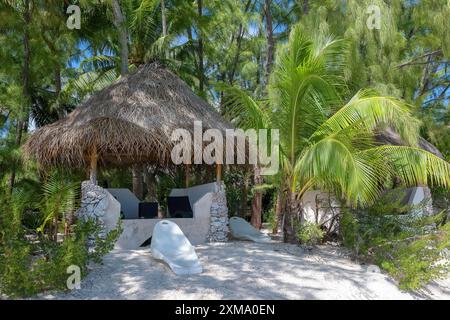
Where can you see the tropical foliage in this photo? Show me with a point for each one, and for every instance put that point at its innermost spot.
(329, 146)
(312, 69)
(33, 259)
(413, 249)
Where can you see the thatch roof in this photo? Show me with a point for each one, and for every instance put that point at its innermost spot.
(389, 136)
(130, 121)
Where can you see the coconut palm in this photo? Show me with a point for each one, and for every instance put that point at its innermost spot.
(328, 143)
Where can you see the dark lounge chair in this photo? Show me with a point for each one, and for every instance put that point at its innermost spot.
(179, 207)
(148, 210)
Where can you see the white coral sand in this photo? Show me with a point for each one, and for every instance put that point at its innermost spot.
(244, 270)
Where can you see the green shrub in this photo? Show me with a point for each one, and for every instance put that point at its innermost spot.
(414, 262)
(271, 217)
(309, 233)
(412, 249)
(29, 267)
(349, 230)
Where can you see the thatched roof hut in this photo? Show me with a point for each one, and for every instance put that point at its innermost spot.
(130, 121)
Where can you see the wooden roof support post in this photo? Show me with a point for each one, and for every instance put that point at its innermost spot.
(187, 170)
(93, 165)
(219, 174)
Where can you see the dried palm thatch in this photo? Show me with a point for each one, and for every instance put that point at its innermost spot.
(131, 121)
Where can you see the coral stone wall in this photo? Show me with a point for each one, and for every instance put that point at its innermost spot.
(98, 204)
(218, 231)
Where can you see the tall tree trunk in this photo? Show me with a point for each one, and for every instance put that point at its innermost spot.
(19, 130)
(138, 182)
(119, 22)
(201, 71)
(150, 181)
(21, 123)
(269, 38)
(256, 218)
(57, 81)
(239, 36)
(163, 18)
(164, 24)
(58, 87)
(291, 217)
(278, 210)
(244, 199)
(55, 229)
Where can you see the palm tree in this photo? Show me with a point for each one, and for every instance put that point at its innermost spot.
(327, 143)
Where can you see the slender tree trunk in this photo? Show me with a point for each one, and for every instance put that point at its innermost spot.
(278, 210)
(211, 173)
(256, 219)
(58, 87)
(70, 218)
(150, 181)
(26, 88)
(187, 175)
(269, 38)
(119, 22)
(291, 217)
(19, 130)
(244, 199)
(259, 58)
(236, 56)
(163, 18)
(164, 24)
(201, 71)
(57, 80)
(424, 80)
(55, 229)
(138, 185)
(239, 36)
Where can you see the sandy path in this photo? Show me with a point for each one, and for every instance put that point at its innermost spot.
(243, 270)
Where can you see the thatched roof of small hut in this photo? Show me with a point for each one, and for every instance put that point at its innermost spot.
(128, 122)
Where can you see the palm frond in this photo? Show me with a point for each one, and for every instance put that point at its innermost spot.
(58, 197)
(415, 166)
(336, 163)
(242, 110)
(371, 111)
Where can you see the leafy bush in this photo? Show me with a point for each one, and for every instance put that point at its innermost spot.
(412, 249)
(414, 262)
(270, 217)
(234, 181)
(27, 269)
(32, 262)
(309, 233)
(349, 230)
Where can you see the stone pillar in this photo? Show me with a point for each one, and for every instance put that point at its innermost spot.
(428, 202)
(98, 204)
(218, 231)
